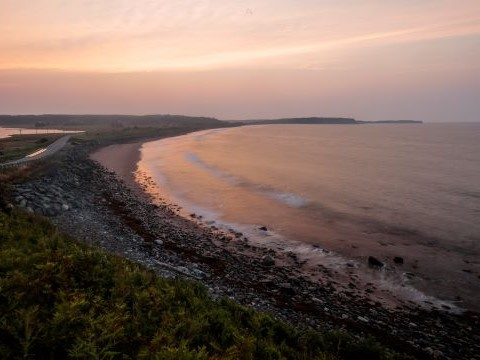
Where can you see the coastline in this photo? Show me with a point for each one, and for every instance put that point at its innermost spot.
(385, 287)
(108, 213)
(121, 159)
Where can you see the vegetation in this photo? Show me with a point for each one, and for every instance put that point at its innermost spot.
(62, 299)
(17, 146)
(81, 122)
(132, 134)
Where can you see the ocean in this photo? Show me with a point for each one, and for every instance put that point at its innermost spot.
(337, 194)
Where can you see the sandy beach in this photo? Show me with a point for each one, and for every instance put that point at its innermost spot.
(121, 159)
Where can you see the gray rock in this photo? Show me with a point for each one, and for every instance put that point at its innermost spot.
(286, 289)
(23, 203)
(199, 273)
(50, 212)
(374, 262)
(398, 260)
(268, 260)
(65, 207)
(158, 242)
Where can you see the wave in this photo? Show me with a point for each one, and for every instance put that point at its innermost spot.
(203, 134)
(287, 198)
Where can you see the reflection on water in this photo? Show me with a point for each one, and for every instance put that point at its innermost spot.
(5, 132)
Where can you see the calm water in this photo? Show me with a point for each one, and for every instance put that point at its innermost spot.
(351, 191)
(6, 132)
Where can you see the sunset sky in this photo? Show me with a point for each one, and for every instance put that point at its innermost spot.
(368, 59)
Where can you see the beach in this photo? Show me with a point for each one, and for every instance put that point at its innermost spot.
(105, 210)
(121, 159)
(424, 260)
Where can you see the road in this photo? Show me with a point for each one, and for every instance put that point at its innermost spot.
(40, 154)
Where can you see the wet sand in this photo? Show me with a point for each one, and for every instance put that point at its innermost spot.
(121, 159)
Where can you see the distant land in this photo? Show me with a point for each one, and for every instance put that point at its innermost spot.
(306, 120)
(79, 121)
(391, 122)
(109, 120)
(322, 120)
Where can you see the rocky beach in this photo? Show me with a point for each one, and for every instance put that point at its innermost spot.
(106, 207)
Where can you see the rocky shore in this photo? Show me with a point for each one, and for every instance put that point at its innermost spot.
(95, 206)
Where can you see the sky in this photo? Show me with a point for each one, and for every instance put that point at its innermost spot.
(367, 59)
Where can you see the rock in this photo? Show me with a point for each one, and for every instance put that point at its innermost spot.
(434, 352)
(398, 260)
(263, 228)
(30, 210)
(268, 260)
(147, 245)
(50, 212)
(65, 207)
(158, 242)
(374, 262)
(361, 318)
(9, 208)
(199, 273)
(287, 289)
(23, 203)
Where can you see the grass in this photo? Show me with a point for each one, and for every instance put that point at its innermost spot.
(18, 146)
(133, 133)
(61, 299)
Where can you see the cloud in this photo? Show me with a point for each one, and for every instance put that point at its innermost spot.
(121, 35)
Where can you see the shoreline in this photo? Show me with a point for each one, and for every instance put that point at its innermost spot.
(386, 287)
(105, 212)
(121, 159)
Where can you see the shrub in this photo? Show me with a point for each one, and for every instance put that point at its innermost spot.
(61, 299)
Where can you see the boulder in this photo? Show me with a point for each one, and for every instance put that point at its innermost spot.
(287, 289)
(398, 260)
(263, 228)
(268, 260)
(374, 262)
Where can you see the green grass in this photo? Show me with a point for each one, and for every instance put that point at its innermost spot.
(61, 299)
(18, 146)
(133, 133)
